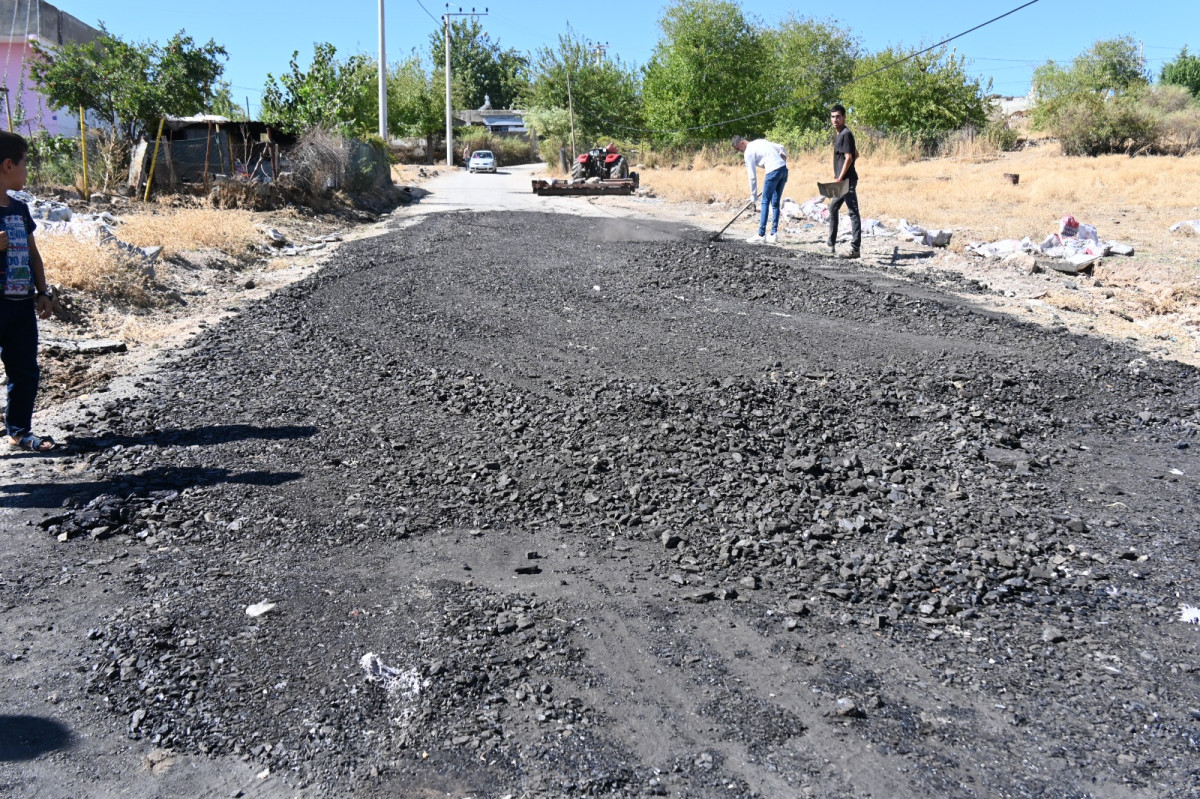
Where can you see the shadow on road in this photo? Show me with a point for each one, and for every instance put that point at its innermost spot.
(29, 737)
(165, 478)
(198, 436)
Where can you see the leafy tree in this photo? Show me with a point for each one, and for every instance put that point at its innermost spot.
(416, 104)
(603, 94)
(223, 104)
(811, 62)
(1184, 71)
(340, 95)
(131, 84)
(927, 94)
(1093, 105)
(706, 69)
(549, 123)
(478, 66)
(1108, 68)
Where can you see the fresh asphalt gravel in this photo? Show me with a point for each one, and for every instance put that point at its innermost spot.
(554, 507)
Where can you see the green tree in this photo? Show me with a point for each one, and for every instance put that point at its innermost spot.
(416, 104)
(1183, 70)
(1094, 105)
(336, 94)
(706, 69)
(223, 104)
(811, 63)
(131, 84)
(926, 95)
(478, 66)
(603, 93)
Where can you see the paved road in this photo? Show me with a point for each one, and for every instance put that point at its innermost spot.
(635, 519)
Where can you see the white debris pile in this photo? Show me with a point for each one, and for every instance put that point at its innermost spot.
(47, 210)
(1191, 227)
(1002, 248)
(56, 219)
(279, 244)
(1074, 242)
(928, 237)
(873, 227)
(814, 209)
(1189, 614)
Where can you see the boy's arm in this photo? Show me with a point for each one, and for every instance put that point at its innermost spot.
(45, 302)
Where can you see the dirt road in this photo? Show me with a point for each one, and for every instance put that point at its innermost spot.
(537, 506)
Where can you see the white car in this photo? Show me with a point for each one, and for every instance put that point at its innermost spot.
(482, 161)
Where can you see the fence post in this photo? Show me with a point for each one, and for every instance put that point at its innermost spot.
(150, 180)
(87, 187)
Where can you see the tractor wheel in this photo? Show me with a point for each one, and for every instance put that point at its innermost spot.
(577, 171)
(619, 170)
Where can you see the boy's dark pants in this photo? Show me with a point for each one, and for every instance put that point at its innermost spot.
(851, 201)
(18, 352)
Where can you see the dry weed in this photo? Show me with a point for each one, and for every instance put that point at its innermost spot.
(180, 230)
(105, 272)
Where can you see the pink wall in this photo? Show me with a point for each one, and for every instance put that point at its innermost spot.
(38, 115)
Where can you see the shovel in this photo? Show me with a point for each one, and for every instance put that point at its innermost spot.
(834, 191)
(717, 235)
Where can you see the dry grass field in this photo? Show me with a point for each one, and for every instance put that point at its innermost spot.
(1132, 200)
(87, 266)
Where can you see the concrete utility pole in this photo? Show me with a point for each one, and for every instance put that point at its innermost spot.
(600, 51)
(449, 107)
(383, 131)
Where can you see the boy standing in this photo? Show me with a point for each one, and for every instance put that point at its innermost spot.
(845, 153)
(773, 159)
(25, 297)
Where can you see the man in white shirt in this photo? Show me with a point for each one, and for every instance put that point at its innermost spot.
(773, 159)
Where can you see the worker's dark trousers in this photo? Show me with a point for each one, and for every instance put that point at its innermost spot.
(851, 201)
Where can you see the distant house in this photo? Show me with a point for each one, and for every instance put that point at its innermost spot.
(23, 22)
(495, 120)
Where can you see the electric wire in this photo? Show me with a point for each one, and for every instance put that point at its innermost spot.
(427, 12)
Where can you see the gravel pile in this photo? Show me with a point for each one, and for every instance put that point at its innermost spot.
(955, 537)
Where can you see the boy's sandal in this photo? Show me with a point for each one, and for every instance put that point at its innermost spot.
(34, 443)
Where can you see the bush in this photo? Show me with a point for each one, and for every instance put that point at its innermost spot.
(999, 134)
(798, 141)
(1180, 117)
(1094, 126)
(54, 160)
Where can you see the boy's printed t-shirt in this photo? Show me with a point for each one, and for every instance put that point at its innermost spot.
(18, 273)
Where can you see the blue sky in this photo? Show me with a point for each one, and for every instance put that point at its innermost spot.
(260, 37)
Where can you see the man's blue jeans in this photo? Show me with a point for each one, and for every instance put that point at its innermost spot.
(18, 352)
(772, 193)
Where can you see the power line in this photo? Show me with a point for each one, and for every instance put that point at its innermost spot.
(426, 10)
(873, 72)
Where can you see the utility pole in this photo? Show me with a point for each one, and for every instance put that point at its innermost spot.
(571, 109)
(383, 131)
(449, 107)
(600, 51)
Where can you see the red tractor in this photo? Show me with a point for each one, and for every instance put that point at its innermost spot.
(602, 162)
